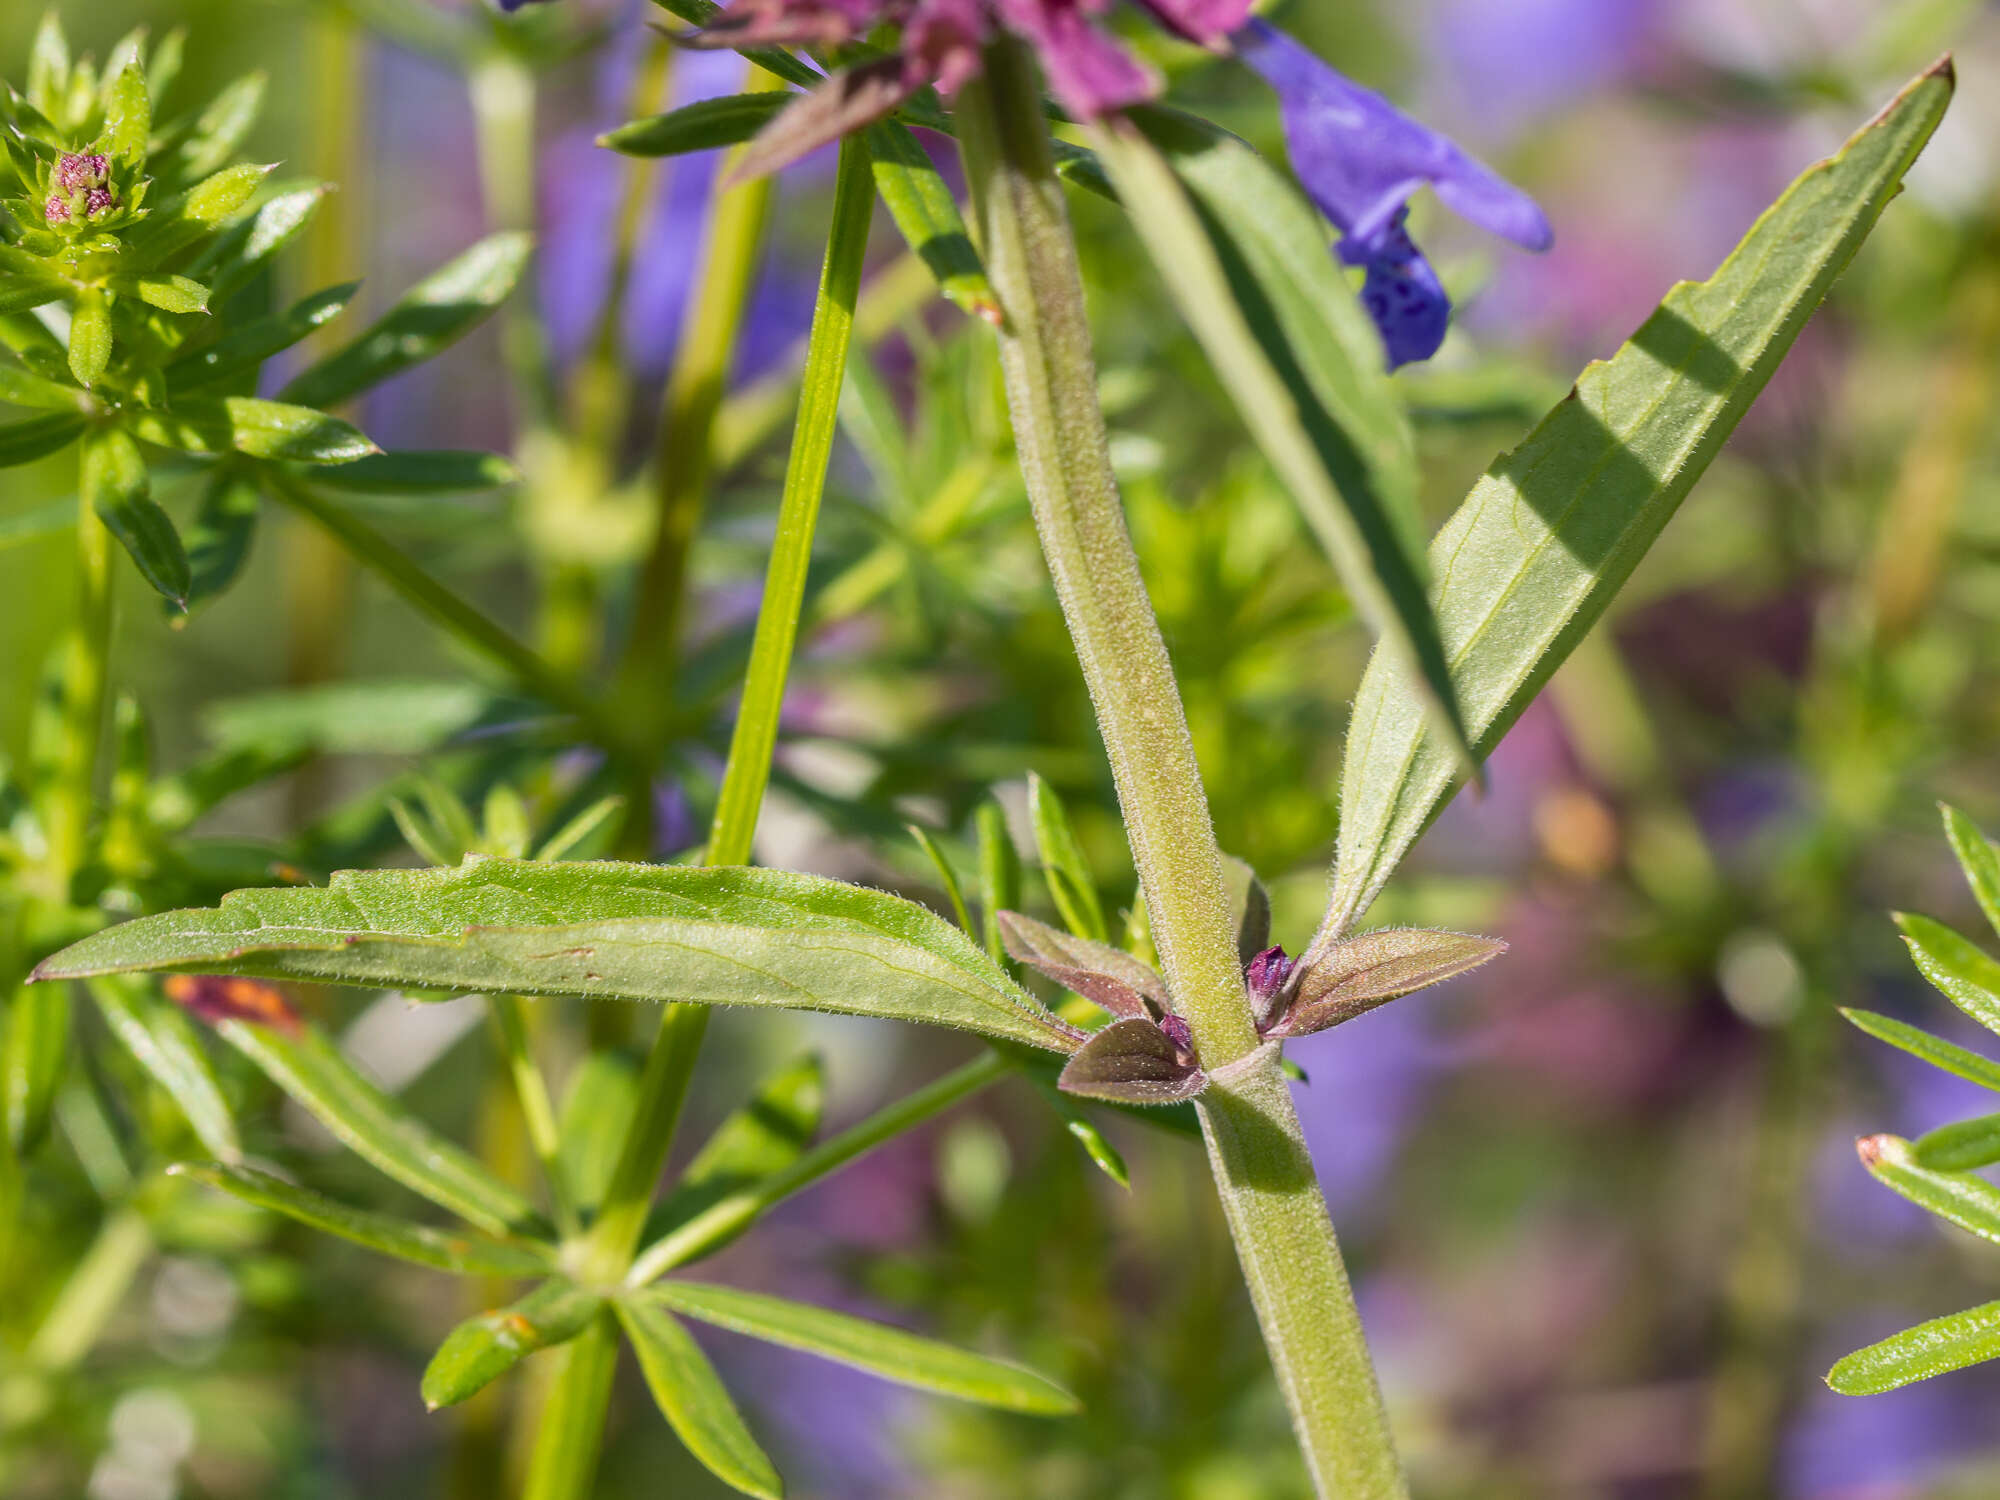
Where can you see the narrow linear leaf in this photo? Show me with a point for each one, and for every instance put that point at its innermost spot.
(1934, 1050)
(1972, 1203)
(303, 1063)
(999, 875)
(202, 209)
(19, 388)
(228, 265)
(441, 473)
(1962, 1147)
(596, 1114)
(117, 487)
(261, 429)
(927, 216)
(1070, 882)
(1536, 553)
(242, 350)
(163, 1043)
(174, 294)
(21, 291)
(430, 317)
(694, 1401)
(764, 1137)
(90, 337)
(37, 437)
(218, 543)
(947, 877)
(701, 126)
(482, 1349)
(888, 1352)
(1967, 975)
(1978, 858)
(596, 930)
(461, 1254)
(1934, 1348)
(773, 60)
(1082, 1129)
(128, 116)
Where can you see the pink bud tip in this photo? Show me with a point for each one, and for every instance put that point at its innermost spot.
(56, 211)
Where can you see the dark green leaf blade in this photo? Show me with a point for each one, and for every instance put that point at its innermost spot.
(1960, 1147)
(482, 1349)
(1934, 1050)
(597, 930)
(701, 126)
(694, 1401)
(461, 1254)
(1536, 553)
(1966, 974)
(37, 437)
(1934, 1348)
(117, 487)
(411, 473)
(219, 541)
(1978, 858)
(880, 1350)
(260, 429)
(429, 318)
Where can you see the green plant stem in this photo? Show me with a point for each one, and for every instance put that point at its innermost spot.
(606, 1253)
(85, 682)
(682, 467)
(87, 1300)
(1263, 1173)
(538, 1114)
(502, 86)
(459, 619)
(728, 1217)
(563, 1465)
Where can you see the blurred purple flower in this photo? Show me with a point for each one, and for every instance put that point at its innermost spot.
(1361, 159)
(1507, 65)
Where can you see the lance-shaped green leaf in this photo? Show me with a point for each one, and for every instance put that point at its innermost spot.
(947, 877)
(433, 315)
(128, 116)
(888, 1352)
(26, 284)
(1972, 1203)
(33, 1051)
(117, 487)
(439, 473)
(202, 209)
(218, 543)
(764, 1137)
(1978, 858)
(1968, 976)
(1533, 557)
(1104, 975)
(459, 1253)
(597, 1111)
(482, 1349)
(90, 339)
(174, 294)
(20, 388)
(1132, 1062)
(1250, 272)
(37, 437)
(244, 249)
(163, 1043)
(261, 429)
(299, 1059)
(1356, 974)
(1960, 1147)
(702, 126)
(597, 930)
(243, 349)
(1934, 1348)
(1934, 1050)
(694, 1401)
(927, 216)
(1082, 1129)
(999, 875)
(1068, 872)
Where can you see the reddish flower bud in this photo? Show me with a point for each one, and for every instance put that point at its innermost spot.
(74, 171)
(98, 200)
(216, 998)
(56, 210)
(1176, 1031)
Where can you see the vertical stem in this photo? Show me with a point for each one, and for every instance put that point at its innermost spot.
(565, 1454)
(85, 668)
(694, 394)
(1284, 1240)
(503, 111)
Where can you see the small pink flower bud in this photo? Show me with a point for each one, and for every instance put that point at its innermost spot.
(1177, 1032)
(56, 210)
(74, 171)
(97, 201)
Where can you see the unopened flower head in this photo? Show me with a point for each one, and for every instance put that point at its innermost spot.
(75, 171)
(56, 210)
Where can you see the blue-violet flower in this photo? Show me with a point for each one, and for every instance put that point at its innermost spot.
(1361, 158)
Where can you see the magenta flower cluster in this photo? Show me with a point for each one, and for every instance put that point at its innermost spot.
(86, 174)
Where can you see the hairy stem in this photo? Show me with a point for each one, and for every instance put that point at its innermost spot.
(84, 670)
(1262, 1170)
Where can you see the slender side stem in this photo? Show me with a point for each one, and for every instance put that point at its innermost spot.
(503, 110)
(682, 467)
(87, 1300)
(1262, 1170)
(565, 1456)
(537, 1112)
(724, 1219)
(459, 619)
